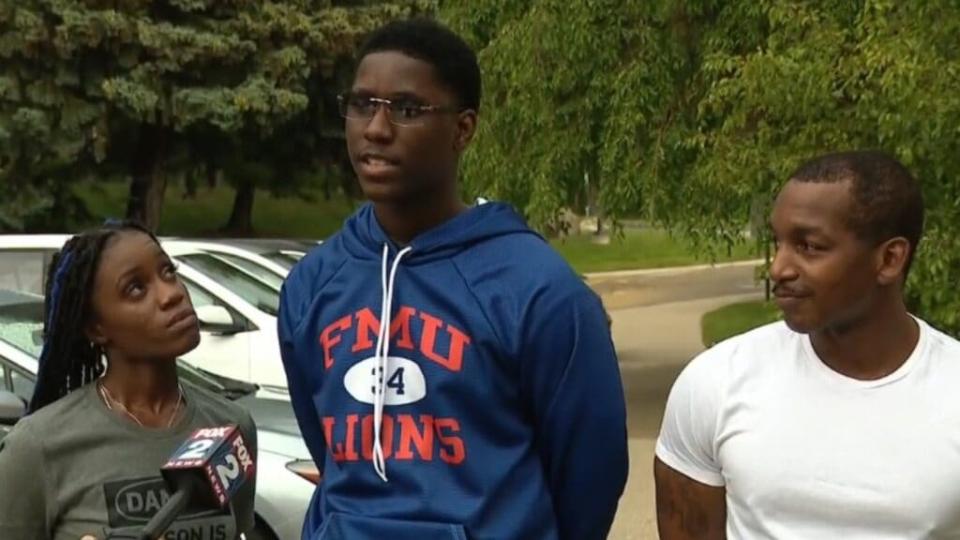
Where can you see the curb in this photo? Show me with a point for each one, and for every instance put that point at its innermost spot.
(675, 270)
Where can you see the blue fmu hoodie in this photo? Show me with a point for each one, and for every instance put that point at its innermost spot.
(462, 387)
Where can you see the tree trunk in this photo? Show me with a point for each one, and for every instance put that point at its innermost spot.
(212, 172)
(327, 174)
(148, 181)
(190, 185)
(593, 199)
(241, 217)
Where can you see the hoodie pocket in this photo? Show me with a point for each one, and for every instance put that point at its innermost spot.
(350, 527)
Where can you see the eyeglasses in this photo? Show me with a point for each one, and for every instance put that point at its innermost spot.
(401, 112)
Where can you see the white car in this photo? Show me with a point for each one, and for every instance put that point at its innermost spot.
(284, 252)
(286, 476)
(198, 253)
(237, 312)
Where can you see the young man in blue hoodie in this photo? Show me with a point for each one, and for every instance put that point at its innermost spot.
(452, 376)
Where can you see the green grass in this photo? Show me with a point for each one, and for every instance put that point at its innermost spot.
(639, 248)
(728, 321)
(208, 212)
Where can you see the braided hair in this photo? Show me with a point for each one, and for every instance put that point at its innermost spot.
(68, 359)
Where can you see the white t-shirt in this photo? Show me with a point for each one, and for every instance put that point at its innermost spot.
(807, 453)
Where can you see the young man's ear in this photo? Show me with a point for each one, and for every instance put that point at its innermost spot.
(892, 260)
(466, 128)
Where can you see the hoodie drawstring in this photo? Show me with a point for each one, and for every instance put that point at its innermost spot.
(383, 355)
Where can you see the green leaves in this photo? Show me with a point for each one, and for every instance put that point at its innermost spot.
(137, 100)
(258, 101)
(19, 203)
(692, 113)
(548, 77)
(151, 90)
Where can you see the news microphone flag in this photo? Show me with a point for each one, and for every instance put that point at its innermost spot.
(220, 453)
(209, 468)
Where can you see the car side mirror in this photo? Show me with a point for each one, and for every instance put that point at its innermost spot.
(12, 408)
(216, 319)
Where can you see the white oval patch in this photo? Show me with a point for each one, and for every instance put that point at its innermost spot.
(403, 385)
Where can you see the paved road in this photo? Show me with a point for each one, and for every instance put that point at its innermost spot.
(656, 328)
(648, 288)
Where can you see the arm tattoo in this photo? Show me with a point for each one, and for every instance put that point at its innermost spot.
(687, 509)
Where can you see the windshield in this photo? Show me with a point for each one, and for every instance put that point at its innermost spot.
(236, 280)
(21, 321)
(266, 275)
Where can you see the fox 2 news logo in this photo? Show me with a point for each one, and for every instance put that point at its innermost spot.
(231, 467)
(222, 454)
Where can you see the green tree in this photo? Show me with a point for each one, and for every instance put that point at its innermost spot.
(829, 76)
(691, 113)
(100, 88)
(571, 88)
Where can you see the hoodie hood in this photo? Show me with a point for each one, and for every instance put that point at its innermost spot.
(364, 238)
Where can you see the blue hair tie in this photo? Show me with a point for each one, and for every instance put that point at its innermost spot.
(112, 222)
(63, 265)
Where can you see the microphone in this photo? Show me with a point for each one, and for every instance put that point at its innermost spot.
(207, 469)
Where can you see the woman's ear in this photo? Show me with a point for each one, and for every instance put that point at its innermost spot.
(95, 334)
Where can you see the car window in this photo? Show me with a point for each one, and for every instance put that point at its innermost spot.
(23, 270)
(237, 281)
(285, 260)
(21, 322)
(264, 274)
(200, 297)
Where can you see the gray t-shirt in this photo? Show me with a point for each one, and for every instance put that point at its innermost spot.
(75, 468)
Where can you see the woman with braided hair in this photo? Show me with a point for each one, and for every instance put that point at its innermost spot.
(108, 408)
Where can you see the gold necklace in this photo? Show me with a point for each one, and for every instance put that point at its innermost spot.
(108, 398)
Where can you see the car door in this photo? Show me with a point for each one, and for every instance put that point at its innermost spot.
(14, 379)
(224, 352)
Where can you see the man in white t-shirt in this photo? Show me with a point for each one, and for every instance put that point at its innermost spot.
(843, 421)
